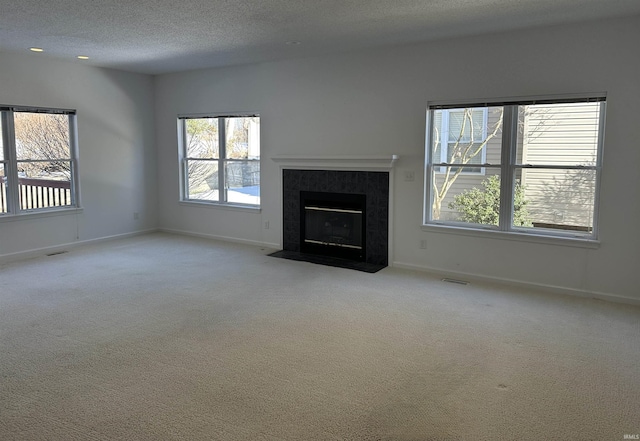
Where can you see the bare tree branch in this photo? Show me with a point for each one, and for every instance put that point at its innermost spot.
(461, 153)
(43, 137)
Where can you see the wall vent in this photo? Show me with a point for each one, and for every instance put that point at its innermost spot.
(457, 282)
(56, 253)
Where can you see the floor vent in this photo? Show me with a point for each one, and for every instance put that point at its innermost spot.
(458, 282)
(56, 253)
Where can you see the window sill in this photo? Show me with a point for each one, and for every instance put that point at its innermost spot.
(514, 236)
(38, 214)
(217, 205)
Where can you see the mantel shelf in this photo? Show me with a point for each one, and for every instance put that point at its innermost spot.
(337, 162)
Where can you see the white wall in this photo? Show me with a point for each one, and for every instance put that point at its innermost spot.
(116, 149)
(372, 103)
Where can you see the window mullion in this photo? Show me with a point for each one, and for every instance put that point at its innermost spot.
(73, 153)
(428, 167)
(184, 169)
(222, 142)
(508, 157)
(9, 140)
(601, 125)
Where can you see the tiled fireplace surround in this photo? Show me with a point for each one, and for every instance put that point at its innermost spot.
(317, 176)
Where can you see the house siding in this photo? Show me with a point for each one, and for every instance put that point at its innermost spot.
(561, 135)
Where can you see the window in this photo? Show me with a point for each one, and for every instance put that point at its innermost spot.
(220, 157)
(38, 165)
(541, 165)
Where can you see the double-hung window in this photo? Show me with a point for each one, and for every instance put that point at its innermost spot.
(541, 166)
(220, 159)
(38, 160)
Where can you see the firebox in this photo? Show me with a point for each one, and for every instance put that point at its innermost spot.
(333, 224)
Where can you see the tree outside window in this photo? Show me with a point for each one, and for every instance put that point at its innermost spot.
(221, 159)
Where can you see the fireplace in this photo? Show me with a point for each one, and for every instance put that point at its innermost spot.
(336, 217)
(332, 224)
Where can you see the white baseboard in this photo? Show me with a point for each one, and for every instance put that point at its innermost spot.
(470, 277)
(38, 252)
(274, 246)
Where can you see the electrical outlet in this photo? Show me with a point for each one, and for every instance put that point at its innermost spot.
(136, 215)
(423, 244)
(266, 225)
(409, 176)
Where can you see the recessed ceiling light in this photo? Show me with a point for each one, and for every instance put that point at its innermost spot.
(82, 57)
(293, 43)
(36, 49)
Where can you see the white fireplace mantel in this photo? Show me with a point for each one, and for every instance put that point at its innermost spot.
(381, 163)
(371, 163)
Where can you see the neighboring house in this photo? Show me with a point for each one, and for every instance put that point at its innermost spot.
(561, 135)
(554, 135)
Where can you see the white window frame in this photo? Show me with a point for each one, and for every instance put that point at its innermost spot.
(221, 161)
(508, 167)
(444, 142)
(11, 161)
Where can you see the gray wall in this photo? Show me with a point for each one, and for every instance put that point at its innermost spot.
(116, 142)
(373, 103)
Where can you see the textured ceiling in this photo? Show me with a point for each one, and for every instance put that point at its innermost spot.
(161, 36)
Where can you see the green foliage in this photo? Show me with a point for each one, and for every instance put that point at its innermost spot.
(482, 205)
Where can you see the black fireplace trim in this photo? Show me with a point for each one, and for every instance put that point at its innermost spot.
(373, 184)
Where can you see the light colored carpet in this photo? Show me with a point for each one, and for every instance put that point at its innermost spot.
(164, 337)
